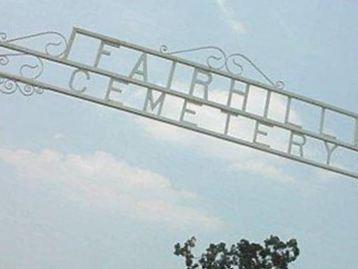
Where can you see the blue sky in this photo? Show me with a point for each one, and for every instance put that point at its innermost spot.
(89, 187)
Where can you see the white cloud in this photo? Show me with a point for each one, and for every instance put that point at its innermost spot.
(100, 180)
(267, 169)
(58, 136)
(239, 157)
(230, 17)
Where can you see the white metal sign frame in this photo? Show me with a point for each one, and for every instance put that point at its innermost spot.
(202, 76)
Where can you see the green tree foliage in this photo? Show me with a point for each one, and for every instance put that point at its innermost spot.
(273, 254)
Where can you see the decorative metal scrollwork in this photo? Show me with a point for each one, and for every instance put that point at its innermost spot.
(33, 71)
(9, 86)
(29, 70)
(59, 42)
(230, 63)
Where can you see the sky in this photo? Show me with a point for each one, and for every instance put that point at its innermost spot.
(85, 186)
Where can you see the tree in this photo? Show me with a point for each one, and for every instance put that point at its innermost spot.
(274, 254)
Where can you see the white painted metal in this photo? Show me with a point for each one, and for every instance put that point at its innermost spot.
(176, 123)
(296, 132)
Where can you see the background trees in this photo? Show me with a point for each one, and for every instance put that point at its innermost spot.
(273, 254)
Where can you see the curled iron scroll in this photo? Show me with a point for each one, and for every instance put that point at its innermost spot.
(9, 86)
(55, 47)
(30, 70)
(59, 41)
(230, 63)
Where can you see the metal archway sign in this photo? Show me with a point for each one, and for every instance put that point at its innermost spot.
(266, 108)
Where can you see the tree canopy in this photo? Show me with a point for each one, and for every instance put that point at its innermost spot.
(273, 254)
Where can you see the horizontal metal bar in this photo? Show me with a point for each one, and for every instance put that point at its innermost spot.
(216, 71)
(221, 107)
(175, 123)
